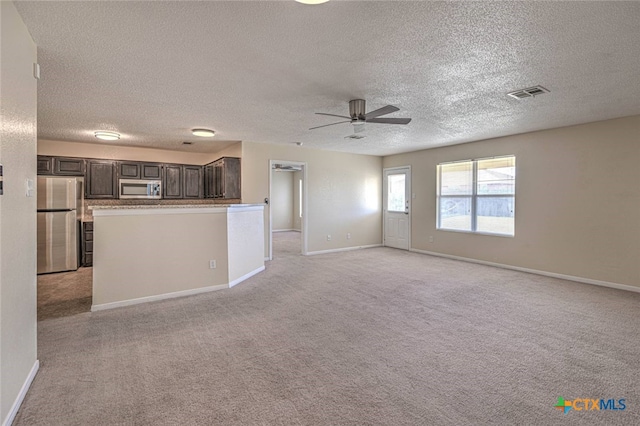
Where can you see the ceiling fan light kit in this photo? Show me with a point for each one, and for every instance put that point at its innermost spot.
(358, 115)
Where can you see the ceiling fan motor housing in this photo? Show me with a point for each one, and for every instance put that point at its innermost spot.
(357, 109)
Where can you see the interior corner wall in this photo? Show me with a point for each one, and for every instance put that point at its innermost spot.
(17, 211)
(577, 201)
(344, 193)
(297, 217)
(281, 201)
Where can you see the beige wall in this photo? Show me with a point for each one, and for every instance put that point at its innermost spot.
(234, 150)
(577, 201)
(132, 153)
(344, 192)
(17, 212)
(297, 220)
(244, 234)
(138, 256)
(281, 200)
(148, 254)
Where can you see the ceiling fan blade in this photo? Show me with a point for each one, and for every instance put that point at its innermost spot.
(390, 120)
(333, 115)
(381, 111)
(332, 124)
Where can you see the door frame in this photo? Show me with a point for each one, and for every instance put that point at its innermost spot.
(384, 202)
(305, 185)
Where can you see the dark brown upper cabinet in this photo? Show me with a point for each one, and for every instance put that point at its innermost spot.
(60, 166)
(101, 179)
(172, 182)
(192, 187)
(209, 184)
(68, 166)
(45, 165)
(226, 178)
(128, 170)
(151, 170)
(139, 170)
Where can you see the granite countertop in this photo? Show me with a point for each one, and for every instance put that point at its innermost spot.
(171, 206)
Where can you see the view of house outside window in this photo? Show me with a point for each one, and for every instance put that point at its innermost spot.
(477, 196)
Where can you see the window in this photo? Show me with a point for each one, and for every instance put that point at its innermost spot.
(396, 193)
(478, 196)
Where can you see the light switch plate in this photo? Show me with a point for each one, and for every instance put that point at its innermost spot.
(30, 188)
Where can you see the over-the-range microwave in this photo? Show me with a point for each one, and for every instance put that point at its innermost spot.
(134, 188)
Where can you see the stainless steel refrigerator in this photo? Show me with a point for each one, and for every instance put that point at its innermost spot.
(59, 209)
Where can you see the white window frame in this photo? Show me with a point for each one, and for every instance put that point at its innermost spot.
(473, 197)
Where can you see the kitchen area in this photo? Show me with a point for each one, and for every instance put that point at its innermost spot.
(71, 190)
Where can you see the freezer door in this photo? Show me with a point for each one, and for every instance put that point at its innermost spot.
(57, 242)
(57, 193)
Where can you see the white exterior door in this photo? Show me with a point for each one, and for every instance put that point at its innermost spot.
(397, 207)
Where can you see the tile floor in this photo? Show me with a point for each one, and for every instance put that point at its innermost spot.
(64, 293)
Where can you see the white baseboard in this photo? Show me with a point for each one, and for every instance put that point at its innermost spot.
(23, 392)
(313, 253)
(534, 271)
(164, 296)
(246, 276)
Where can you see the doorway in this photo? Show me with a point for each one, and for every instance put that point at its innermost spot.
(287, 208)
(397, 207)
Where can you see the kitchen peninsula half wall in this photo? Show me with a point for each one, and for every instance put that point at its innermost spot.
(147, 253)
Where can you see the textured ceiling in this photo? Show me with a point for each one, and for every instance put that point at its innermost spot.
(257, 71)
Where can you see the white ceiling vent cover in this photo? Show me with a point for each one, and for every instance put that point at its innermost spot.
(529, 92)
(354, 136)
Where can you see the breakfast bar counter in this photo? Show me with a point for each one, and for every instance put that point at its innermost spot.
(153, 252)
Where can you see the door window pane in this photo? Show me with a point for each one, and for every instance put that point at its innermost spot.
(396, 193)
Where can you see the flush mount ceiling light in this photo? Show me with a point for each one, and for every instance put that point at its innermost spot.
(203, 133)
(312, 1)
(107, 136)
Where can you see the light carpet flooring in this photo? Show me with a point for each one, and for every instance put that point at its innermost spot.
(367, 337)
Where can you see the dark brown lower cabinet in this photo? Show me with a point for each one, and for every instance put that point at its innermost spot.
(87, 244)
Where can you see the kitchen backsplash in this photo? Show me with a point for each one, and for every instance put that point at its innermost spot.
(88, 215)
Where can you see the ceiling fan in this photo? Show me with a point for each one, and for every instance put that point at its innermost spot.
(358, 117)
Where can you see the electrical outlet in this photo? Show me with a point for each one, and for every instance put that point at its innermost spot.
(430, 238)
(328, 237)
(348, 235)
(212, 264)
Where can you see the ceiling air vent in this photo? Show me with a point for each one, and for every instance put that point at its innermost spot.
(354, 136)
(187, 143)
(529, 92)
